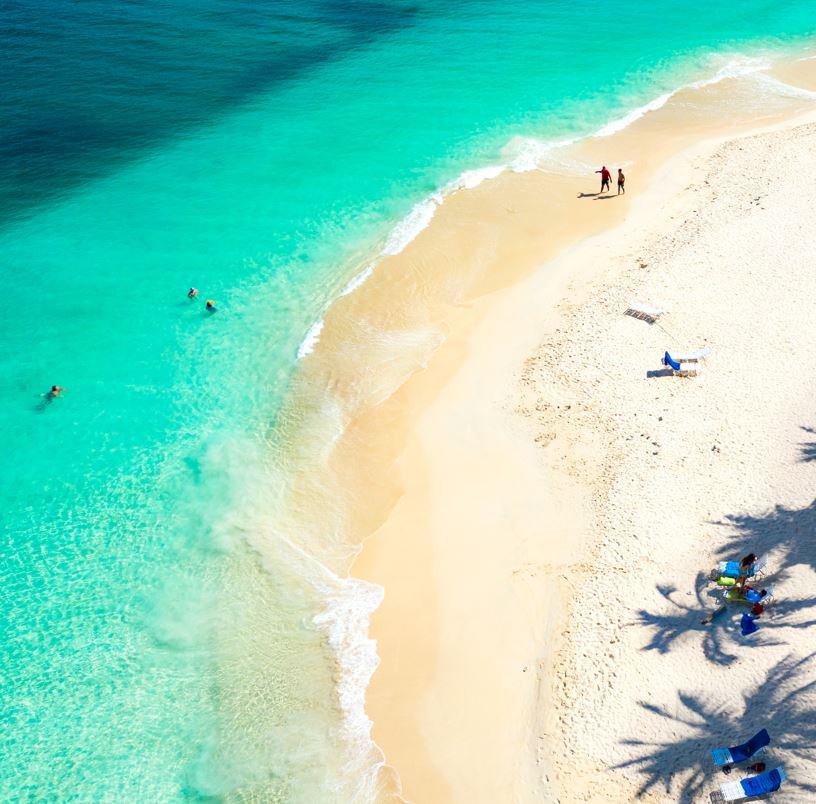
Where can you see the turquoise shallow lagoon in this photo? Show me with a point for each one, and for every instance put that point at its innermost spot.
(166, 635)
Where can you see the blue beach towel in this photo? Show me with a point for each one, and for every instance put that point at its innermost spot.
(668, 361)
(732, 570)
(747, 625)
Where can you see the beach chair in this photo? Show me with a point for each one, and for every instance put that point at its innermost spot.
(730, 569)
(761, 785)
(687, 369)
(643, 312)
(739, 753)
(691, 357)
(748, 597)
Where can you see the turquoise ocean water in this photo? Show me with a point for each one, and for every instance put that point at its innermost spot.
(164, 635)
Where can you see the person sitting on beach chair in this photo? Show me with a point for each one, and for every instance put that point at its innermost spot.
(736, 573)
(756, 600)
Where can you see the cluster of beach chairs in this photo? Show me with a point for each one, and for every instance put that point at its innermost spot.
(732, 579)
(763, 783)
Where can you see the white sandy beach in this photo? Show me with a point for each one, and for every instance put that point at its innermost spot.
(541, 504)
(691, 471)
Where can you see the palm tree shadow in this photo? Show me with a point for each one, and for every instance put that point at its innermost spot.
(789, 532)
(721, 639)
(808, 449)
(686, 618)
(784, 703)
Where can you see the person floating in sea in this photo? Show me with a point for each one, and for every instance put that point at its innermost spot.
(606, 178)
(55, 391)
(621, 182)
(192, 293)
(211, 308)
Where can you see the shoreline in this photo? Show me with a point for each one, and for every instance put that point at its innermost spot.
(416, 454)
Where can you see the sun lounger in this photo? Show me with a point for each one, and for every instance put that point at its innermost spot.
(749, 597)
(730, 569)
(739, 753)
(760, 785)
(686, 369)
(643, 312)
(691, 357)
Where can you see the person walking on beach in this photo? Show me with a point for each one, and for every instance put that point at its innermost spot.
(606, 178)
(621, 182)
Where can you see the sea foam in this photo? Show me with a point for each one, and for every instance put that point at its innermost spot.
(524, 154)
(308, 344)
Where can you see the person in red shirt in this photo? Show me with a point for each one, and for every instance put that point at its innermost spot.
(606, 178)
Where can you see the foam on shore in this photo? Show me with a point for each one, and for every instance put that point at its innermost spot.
(523, 154)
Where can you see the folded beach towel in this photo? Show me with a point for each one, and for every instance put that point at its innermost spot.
(747, 625)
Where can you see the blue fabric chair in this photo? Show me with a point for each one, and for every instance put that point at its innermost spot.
(667, 361)
(761, 785)
(739, 753)
(732, 570)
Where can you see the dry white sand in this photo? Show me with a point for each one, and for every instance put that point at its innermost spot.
(684, 472)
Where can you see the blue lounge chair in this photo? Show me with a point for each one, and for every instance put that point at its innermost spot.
(760, 785)
(739, 753)
(748, 596)
(683, 368)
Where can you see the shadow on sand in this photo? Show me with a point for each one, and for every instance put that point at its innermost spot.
(720, 639)
(598, 196)
(808, 448)
(784, 702)
(789, 532)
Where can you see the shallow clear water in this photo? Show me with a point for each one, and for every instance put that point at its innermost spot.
(159, 639)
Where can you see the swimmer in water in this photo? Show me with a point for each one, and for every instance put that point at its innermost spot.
(55, 391)
(192, 293)
(211, 306)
